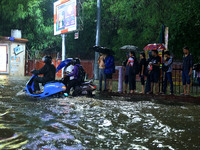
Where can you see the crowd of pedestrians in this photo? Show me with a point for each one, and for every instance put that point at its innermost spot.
(150, 72)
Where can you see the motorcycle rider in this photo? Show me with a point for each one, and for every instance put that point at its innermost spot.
(72, 83)
(49, 72)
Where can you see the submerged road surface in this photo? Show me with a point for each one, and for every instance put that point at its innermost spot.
(93, 123)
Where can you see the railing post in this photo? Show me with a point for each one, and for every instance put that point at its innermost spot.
(120, 78)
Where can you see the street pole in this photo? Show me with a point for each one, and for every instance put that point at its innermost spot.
(96, 66)
(63, 50)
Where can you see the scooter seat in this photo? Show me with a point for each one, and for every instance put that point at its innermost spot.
(88, 82)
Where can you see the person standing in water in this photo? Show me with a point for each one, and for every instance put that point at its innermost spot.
(132, 72)
(149, 69)
(109, 70)
(187, 70)
(167, 68)
(155, 72)
(126, 72)
(101, 62)
(142, 71)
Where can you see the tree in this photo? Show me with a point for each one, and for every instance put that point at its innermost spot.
(136, 22)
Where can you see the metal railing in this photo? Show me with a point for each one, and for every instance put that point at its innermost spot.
(177, 82)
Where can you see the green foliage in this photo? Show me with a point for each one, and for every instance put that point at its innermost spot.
(136, 22)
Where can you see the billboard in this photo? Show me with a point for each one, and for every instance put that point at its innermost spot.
(65, 16)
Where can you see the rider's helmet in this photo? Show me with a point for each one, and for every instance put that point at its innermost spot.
(47, 59)
(76, 61)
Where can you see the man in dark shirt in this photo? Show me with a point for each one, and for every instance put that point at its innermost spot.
(187, 70)
(48, 71)
(155, 73)
(126, 67)
(148, 81)
(143, 65)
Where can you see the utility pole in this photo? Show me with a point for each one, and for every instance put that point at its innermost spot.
(96, 66)
(63, 48)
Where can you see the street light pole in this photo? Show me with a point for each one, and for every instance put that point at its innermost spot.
(63, 49)
(96, 66)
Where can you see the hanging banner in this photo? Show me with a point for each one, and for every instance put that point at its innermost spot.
(65, 16)
(166, 37)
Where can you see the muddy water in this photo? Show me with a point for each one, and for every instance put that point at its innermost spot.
(93, 123)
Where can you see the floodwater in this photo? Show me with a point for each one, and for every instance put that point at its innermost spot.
(93, 123)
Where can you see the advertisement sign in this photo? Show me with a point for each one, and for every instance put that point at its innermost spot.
(76, 35)
(3, 58)
(65, 16)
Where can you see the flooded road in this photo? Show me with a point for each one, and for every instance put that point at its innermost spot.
(93, 123)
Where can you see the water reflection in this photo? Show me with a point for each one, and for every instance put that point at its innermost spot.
(9, 139)
(93, 123)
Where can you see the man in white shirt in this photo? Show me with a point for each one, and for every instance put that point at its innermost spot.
(67, 70)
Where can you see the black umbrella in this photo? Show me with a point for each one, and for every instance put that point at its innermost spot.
(103, 50)
(129, 48)
(97, 49)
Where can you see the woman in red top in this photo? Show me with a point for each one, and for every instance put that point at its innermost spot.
(132, 73)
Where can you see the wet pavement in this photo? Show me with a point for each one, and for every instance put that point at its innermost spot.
(93, 123)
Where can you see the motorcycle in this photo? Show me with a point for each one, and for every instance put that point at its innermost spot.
(86, 88)
(57, 87)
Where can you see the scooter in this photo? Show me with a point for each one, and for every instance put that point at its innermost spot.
(50, 88)
(57, 87)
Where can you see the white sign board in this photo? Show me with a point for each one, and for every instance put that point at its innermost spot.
(3, 58)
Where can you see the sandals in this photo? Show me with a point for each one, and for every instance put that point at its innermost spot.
(149, 93)
(125, 92)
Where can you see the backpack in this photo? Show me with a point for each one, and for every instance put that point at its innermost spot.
(81, 74)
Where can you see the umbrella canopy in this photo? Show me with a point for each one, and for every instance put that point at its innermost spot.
(129, 48)
(97, 49)
(63, 64)
(154, 47)
(103, 50)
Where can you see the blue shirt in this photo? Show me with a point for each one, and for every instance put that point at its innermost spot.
(187, 62)
(75, 72)
(109, 65)
(169, 64)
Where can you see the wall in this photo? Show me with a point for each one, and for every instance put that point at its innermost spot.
(37, 64)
